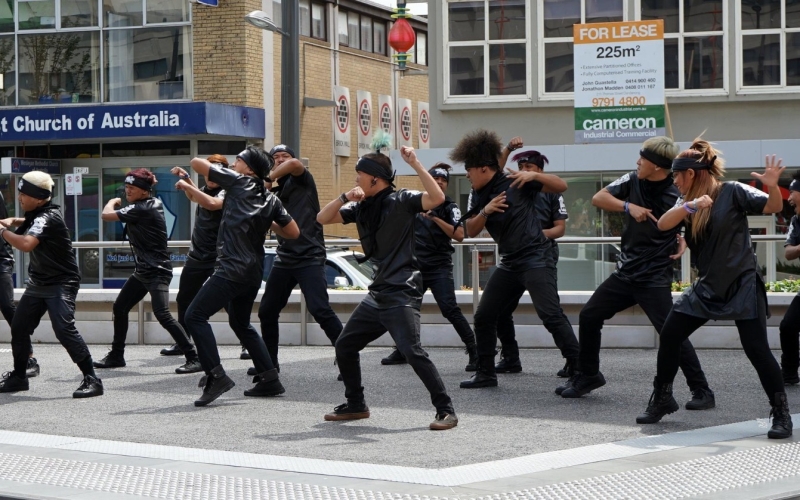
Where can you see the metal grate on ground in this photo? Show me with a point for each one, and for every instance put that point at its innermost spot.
(701, 476)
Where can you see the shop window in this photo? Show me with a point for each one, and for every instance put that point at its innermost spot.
(167, 11)
(60, 151)
(694, 42)
(7, 17)
(165, 148)
(770, 43)
(487, 44)
(59, 68)
(78, 13)
(122, 13)
(8, 77)
(220, 147)
(147, 64)
(36, 14)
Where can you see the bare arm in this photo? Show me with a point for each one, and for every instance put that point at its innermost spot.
(23, 242)
(433, 195)
(447, 228)
(550, 183)
(512, 145)
(557, 231)
(110, 210)
(606, 201)
(330, 212)
(290, 167)
(792, 252)
(12, 222)
(476, 224)
(201, 166)
(198, 196)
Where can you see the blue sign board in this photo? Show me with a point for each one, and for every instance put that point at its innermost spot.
(211, 3)
(23, 165)
(130, 120)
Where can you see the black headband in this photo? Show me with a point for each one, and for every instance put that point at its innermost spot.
(681, 164)
(33, 190)
(439, 172)
(795, 185)
(656, 159)
(374, 168)
(139, 183)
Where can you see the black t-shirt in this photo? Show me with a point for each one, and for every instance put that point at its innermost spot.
(793, 235)
(247, 214)
(434, 247)
(645, 257)
(299, 197)
(147, 232)
(517, 230)
(52, 263)
(397, 281)
(6, 251)
(550, 207)
(728, 278)
(203, 252)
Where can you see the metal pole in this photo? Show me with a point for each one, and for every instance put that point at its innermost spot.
(303, 320)
(140, 320)
(476, 280)
(290, 75)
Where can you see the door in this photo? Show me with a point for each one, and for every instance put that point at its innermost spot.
(82, 215)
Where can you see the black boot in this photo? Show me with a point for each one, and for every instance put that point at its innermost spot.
(509, 363)
(661, 403)
(395, 358)
(781, 418)
(114, 359)
(267, 385)
(790, 376)
(11, 382)
(485, 376)
(569, 368)
(216, 384)
(472, 352)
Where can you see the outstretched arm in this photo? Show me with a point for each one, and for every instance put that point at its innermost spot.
(433, 195)
(330, 212)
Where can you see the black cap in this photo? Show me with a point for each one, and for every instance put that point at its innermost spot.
(282, 148)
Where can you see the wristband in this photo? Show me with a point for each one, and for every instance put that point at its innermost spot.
(688, 208)
(625, 208)
(343, 198)
(510, 148)
(483, 214)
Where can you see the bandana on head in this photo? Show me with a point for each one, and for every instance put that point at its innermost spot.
(440, 172)
(681, 164)
(140, 183)
(33, 190)
(656, 159)
(375, 169)
(259, 166)
(795, 185)
(282, 148)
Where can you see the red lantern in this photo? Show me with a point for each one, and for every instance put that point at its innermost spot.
(401, 39)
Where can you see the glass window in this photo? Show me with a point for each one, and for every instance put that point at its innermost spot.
(422, 49)
(668, 10)
(702, 15)
(603, 11)
(353, 30)
(122, 13)
(305, 18)
(61, 151)
(559, 16)
(343, 39)
(702, 62)
(220, 147)
(318, 29)
(466, 21)
(507, 69)
(466, 70)
(277, 13)
(770, 43)
(161, 148)
(36, 14)
(147, 64)
(8, 77)
(507, 20)
(366, 33)
(167, 11)
(7, 17)
(379, 37)
(558, 67)
(59, 68)
(78, 13)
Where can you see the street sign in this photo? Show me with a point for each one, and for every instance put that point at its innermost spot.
(73, 184)
(210, 3)
(80, 170)
(24, 165)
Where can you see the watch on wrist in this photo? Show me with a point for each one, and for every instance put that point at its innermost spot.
(343, 198)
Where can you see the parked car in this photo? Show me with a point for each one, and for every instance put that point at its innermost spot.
(341, 269)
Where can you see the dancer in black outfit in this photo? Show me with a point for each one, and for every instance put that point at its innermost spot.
(7, 306)
(146, 229)
(299, 261)
(247, 214)
(505, 204)
(790, 325)
(552, 213)
(385, 222)
(53, 283)
(729, 285)
(643, 274)
(433, 232)
(203, 252)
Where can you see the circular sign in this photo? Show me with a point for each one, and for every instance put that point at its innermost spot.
(342, 114)
(424, 126)
(364, 117)
(405, 124)
(386, 118)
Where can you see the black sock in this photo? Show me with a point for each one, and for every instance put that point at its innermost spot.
(86, 366)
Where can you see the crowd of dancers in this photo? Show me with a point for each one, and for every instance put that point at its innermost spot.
(673, 200)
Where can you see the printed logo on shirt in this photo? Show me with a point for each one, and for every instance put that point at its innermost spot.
(469, 201)
(754, 191)
(562, 207)
(622, 180)
(125, 210)
(38, 226)
(679, 202)
(456, 213)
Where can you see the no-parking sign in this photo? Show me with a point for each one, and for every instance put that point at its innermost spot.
(341, 126)
(424, 125)
(404, 122)
(364, 99)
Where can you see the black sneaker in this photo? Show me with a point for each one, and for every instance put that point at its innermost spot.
(89, 388)
(348, 412)
(702, 399)
(172, 350)
(444, 421)
(561, 388)
(245, 354)
(790, 378)
(508, 364)
(191, 366)
(252, 371)
(480, 379)
(112, 360)
(216, 384)
(583, 384)
(12, 383)
(268, 385)
(568, 370)
(32, 369)
(395, 358)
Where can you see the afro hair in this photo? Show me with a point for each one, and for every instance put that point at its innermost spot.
(478, 148)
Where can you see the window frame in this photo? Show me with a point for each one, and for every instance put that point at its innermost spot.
(783, 88)
(485, 43)
(680, 36)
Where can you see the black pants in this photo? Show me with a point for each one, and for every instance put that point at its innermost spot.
(238, 299)
(613, 296)
(61, 309)
(7, 306)
(752, 334)
(503, 288)
(443, 287)
(790, 338)
(279, 287)
(192, 279)
(134, 291)
(365, 325)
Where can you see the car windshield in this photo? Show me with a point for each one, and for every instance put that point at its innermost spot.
(364, 268)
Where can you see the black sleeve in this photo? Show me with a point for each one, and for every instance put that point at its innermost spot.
(411, 200)
(621, 188)
(136, 213)
(749, 199)
(349, 212)
(278, 213)
(558, 208)
(225, 177)
(793, 235)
